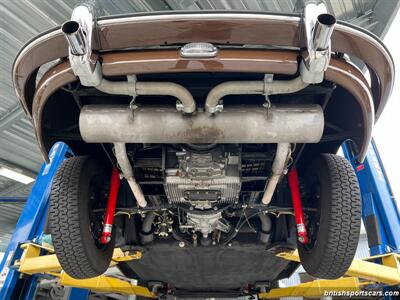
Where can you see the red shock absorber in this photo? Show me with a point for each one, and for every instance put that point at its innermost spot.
(111, 204)
(293, 179)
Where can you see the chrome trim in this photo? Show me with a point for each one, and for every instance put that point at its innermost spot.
(200, 16)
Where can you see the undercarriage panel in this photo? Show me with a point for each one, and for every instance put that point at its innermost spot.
(199, 268)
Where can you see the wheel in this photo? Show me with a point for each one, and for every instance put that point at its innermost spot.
(334, 224)
(77, 203)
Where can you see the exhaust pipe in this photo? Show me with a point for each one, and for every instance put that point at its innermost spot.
(134, 88)
(127, 171)
(318, 29)
(251, 88)
(278, 169)
(319, 26)
(75, 37)
(323, 29)
(78, 33)
(280, 124)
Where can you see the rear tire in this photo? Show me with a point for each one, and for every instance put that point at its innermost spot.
(78, 189)
(335, 228)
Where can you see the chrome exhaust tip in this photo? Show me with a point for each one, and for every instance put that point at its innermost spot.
(75, 36)
(322, 32)
(78, 32)
(318, 29)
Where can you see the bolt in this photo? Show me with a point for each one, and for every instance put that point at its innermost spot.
(215, 208)
(181, 244)
(301, 239)
(229, 244)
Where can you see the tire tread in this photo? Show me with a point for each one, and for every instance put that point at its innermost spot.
(343, 222)
(64, 220)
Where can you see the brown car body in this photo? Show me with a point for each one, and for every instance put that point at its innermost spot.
(141, 32)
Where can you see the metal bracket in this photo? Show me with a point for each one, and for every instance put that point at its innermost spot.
(388, 272)
(268, 78)
(133, 105)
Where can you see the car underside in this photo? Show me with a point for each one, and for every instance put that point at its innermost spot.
(209, 152)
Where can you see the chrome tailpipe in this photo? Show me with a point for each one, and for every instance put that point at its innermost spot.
(76, 38)
(318, 29)
(79, 34)
(323, 29)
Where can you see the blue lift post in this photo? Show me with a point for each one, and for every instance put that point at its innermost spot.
(29, 227)
(379, 210)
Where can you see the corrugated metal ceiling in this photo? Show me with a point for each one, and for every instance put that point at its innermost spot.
(22, 20)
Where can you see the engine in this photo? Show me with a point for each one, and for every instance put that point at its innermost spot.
(204, 180)
(202, 184)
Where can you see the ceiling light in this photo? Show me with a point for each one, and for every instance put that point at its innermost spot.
(15, 175)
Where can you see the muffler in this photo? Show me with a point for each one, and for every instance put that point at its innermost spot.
(241, 124)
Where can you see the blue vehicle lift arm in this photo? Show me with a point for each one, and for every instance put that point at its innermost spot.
(30, 226)
(380, 213)
(379, 210)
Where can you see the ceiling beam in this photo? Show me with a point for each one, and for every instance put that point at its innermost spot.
(12, 199)
(11, 117)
